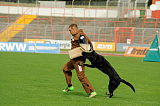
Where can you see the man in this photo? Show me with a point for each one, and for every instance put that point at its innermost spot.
(79, 37)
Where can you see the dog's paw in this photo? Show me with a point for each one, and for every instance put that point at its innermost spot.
(109, 94)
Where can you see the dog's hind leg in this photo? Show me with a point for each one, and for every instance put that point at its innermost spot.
(110, 89)
(113, 84)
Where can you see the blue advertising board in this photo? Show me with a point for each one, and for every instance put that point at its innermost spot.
(29, 47)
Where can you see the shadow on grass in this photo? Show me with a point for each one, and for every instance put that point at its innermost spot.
(98, 96)
(76, 94)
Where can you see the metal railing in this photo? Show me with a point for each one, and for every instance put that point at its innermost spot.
(99, 34)
(98, 29)
(76, 3)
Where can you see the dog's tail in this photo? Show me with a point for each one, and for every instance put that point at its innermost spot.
(127, 83)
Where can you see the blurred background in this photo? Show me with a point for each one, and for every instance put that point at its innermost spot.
(118, 21)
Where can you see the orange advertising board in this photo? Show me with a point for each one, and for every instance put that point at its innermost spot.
(136, 51)
(104, 46)
(34, 40)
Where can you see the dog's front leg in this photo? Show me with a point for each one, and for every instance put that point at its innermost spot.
(91, 66)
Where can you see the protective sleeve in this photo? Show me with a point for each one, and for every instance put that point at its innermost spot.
(82, 39)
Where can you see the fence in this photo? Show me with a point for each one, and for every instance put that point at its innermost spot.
(77, 3)
(129, 17)
(100, 20)
(97, 34)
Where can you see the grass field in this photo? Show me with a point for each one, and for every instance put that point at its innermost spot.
(28, 79)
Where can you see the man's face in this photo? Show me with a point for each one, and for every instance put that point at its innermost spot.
(73, 30)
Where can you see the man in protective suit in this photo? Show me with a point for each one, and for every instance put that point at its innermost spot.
(79, 37)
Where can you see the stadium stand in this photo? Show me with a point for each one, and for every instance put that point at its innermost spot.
(99, 29)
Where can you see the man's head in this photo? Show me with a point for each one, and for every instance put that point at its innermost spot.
(73, 28)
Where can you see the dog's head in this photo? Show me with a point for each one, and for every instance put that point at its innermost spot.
(89, 55)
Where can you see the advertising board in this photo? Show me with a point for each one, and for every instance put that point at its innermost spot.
(29, 47)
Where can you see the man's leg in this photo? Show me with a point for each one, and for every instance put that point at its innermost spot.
(82, 78)
(68, 75)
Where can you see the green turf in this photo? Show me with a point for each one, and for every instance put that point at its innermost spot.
(28, 79)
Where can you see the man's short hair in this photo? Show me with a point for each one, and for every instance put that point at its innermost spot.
(73, 25)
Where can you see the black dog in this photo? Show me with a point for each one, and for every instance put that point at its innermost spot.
(98, 61)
